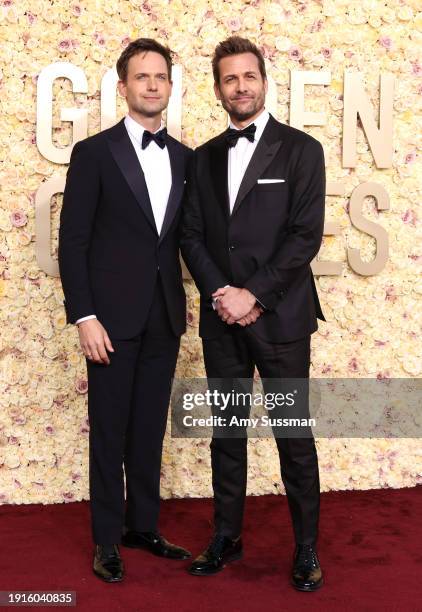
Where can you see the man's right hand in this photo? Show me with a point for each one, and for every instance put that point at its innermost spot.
(94, 341)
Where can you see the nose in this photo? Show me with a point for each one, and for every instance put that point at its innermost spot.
(152, 84)
(242, 86)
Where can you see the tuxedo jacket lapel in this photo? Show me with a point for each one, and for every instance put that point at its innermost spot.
(125, 157)
(177, 185)
(265, 151)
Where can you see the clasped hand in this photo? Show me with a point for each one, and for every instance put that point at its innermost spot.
(236, 305)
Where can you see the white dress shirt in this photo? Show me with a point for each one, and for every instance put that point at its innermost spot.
(155, 164)
(240, 156)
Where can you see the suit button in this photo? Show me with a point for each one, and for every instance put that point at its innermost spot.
(231, 247)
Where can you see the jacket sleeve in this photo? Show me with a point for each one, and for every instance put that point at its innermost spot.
(206, 274)
(302, 238)
(77, 216)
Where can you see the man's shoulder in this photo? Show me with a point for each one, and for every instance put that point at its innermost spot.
(184, 149)
(213, 142)
(96, 140)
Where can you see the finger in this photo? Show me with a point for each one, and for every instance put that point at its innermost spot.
(94, 355)
(219, 292)
(108, 344)
(103, 353)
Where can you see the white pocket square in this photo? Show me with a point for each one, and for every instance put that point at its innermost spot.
(264, 181)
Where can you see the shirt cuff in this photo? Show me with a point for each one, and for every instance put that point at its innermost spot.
(85, 319)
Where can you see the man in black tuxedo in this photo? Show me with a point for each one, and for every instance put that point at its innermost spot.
(252, 224)
(122, 281)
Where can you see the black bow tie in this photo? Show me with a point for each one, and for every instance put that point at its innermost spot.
(232, 136)
(158, 137)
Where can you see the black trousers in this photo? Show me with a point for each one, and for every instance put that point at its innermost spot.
(127, 405)
(235, 354)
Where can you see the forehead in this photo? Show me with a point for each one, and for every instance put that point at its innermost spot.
(238, 64)
(147, 61)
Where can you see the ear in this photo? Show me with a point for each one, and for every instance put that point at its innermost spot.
(121, 86)
(217, 91)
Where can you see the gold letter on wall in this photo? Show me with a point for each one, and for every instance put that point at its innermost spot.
(54, 185)
(368, 268)
(356, 103)
(298, 79)
(78, 116)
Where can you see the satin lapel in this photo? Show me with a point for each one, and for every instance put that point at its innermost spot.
(265, 151)
(219, 162)
(125, 157)
(177, 185)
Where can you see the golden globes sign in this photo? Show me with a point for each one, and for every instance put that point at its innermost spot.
(356, 104)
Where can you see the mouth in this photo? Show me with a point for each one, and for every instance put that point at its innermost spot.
(151, 98)
(242, 99)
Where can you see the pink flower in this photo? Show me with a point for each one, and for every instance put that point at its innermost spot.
(416, 68)
(326, 52)
(409, 217)
(31, 17)
(410, 157)
(7, 2)
(316, 26)
(65, 45)
(125, 41)
(189, 318)
(81, 385)
(49, 429)
(76, 10)
(234, 24)
(353, 365)
(386, 42)
(18, 218)
(390, 293)
(295, 53)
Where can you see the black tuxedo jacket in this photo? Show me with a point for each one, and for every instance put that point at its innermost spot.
(268, 241)
(109, 250)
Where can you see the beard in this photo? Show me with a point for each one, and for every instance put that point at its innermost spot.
(256, 104)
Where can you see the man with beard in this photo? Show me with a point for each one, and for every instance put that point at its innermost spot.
(252, 224)
(121, 276)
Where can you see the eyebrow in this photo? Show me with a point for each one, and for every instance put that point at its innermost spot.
(150, 73)
(226, 76)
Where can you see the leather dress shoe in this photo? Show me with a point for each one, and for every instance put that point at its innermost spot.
(307, 574)
(222, 550)
(155, 543)
(108, 564)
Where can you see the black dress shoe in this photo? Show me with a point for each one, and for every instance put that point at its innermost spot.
(307, 574)
(155, 543)
(108, 564)
(222, 550)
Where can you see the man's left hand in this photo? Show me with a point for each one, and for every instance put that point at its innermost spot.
(233, 303)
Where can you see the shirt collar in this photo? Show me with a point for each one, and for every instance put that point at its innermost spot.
(260, 122)
(136, 129)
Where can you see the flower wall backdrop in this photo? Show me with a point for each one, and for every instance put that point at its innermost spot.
(373, 326)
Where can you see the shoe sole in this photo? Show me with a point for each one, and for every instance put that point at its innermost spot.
(230, 559)
(108, 580)
(308, 589)
(133, 546)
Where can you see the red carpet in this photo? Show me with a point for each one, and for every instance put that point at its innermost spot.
(370, 548)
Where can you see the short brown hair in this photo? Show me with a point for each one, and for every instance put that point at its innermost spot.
(233, 46)
(142, 45)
